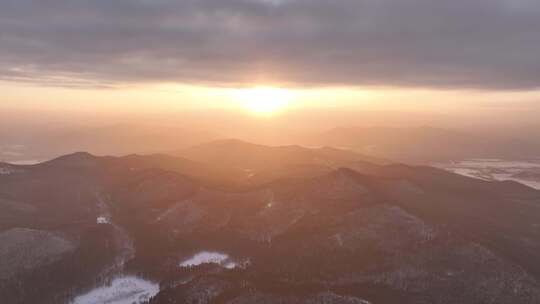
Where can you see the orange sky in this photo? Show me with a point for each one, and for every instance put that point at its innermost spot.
(170, 97)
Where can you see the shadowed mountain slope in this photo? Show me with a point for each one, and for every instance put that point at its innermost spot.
(377, 234)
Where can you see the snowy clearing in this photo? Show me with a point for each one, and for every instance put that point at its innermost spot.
(496, 170)
(206, 257)
(123, 290)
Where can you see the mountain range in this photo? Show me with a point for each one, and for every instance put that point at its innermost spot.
(413, 144)
(234, 222)
(428, 144)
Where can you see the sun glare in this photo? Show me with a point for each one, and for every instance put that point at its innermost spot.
(263, 100)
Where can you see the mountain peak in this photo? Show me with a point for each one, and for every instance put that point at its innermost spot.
(75, 159)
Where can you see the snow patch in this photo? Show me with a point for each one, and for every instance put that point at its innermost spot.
(207, 257)
(102, 220)
(495, 169)
(123, 290)
(6, 171)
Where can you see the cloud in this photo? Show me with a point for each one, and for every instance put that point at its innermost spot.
(484, 44)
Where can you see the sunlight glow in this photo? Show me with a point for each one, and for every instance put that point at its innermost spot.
(263, 100)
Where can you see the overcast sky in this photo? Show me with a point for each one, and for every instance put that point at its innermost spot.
(434, 44)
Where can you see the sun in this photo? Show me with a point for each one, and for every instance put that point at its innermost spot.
(263, 100)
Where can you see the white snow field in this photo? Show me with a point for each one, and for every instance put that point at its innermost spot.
(497, 170)
(205, 257)
(123, 290)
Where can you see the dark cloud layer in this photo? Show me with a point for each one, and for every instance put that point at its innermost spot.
(490, 44)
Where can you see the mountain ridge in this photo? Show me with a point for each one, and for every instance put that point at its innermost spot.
(378, 233)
